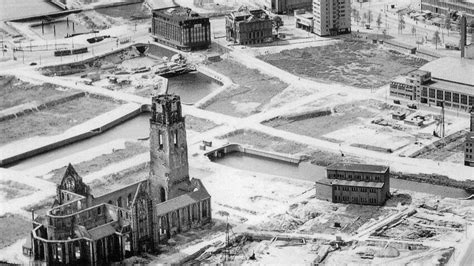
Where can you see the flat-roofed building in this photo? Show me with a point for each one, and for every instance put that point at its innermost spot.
(446, 80)
(181, 28)
(355, 183)
(331, 17)
(248, 27)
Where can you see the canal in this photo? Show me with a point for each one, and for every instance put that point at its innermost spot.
(309, 172)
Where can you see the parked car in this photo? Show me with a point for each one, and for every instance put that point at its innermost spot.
(396, 101)
(412, 106)
(33, 64)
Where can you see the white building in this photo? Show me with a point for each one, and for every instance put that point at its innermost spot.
(332, 17)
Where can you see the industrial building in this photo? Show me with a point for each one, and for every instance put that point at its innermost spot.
(331, 17)
(447, 6)
(469, 144)
(248, 27)
(181, 28)
(445, 80)
(355, 183)
(286, 6)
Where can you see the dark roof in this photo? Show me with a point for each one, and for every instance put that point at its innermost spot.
(200, 193)
(102, 231)
(367, 168)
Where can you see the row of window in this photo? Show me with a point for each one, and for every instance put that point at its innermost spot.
(356, 199)
(355, 189)
(356, 177)
(448, 96)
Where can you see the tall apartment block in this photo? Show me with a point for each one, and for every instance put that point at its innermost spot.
(469, 154)
(332, 17)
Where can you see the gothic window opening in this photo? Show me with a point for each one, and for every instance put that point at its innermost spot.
(175, 138)
(174, 219)
(119, 202)
(77, 251)
(162, 194)
(160, 139)
(129, 199)
(204, 209)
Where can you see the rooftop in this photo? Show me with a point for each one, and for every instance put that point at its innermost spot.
(459, 70)
(446, 85)
(368, 168)
(182, 201)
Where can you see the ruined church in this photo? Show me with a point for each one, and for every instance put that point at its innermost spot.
(83, 229)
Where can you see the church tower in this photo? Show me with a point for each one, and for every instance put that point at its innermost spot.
(169, 170)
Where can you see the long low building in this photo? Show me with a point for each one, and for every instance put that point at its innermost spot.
(445, 80)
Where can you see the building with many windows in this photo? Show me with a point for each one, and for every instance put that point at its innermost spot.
(355, 183)
(469, 144)
(286, 6)
(446, 6)
(248, 27)
(331, 17)
(181, 28)
(445, 80)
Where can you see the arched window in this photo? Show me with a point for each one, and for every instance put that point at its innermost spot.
(119, 202)
(204, 208)
(162, 194)
(129, 199)
(174, 219)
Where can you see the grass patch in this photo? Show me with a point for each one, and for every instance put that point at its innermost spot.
(356, 63)
(12, 190)
(199, 124)
(97, 163)
(13, 228)
(15, 92)
(54, 120)
(253, 89)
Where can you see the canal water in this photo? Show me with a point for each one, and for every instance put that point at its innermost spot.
(135, 128)
(11, 9)
(192, 87)
(309, 172)
(62, 28)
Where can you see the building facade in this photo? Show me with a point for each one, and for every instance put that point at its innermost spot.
(447, 6)
(331, 17)
(248, 27)
(419, 86)
(181, 28)
(355, 183)
(286, 6)
(469, 143)
(86, 229)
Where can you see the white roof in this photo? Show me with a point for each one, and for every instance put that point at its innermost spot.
(460, 70)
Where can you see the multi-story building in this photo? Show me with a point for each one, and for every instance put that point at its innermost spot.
(469, 146)
(448, 81)
(355, 183)
(331, 17)
(281, 6)
(181, 28)
(84, 228)
(447, 6)
(248, 27)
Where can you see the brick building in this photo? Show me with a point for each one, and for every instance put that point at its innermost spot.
(248, 27)
(286, 6)
(447, 80)
(469, 144)
(89, 229)
(355, 183)
(181, 28)
(331, 17)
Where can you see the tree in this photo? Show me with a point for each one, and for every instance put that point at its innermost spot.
(413, 30)
(379, 21)
(277, 23)
(447, 23)
(369, 17)
(436, 38)
(356, 15)
(401, 23)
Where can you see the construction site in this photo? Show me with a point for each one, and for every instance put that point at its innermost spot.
(263, 122)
